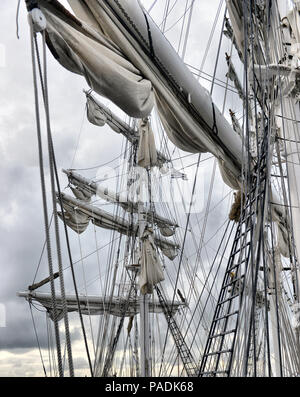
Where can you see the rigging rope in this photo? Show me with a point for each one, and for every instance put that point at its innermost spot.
(54, 176)
(187, 30)
(41, 255)
(79, 136)
(153, 4)
(45, 209)
(17, 18)
(194, 185)
(55, 215)
(37, 339)
(178, 20)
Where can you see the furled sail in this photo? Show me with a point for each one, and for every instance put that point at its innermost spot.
(78, 182)
(89, 53)
(104, 220)
(99, 115)
(131, 38)
(190, 118)
(146, 155)
(77, 221)
(95, 305)
(151, 269)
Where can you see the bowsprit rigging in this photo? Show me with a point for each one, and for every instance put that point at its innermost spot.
(236, 319)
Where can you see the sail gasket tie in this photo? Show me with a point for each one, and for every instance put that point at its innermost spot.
(214, 127)
(149, 36)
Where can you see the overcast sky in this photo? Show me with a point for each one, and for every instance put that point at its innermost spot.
(21, 226)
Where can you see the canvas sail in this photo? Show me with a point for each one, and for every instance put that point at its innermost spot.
(107, 221)
(190, 118)
(99, 115)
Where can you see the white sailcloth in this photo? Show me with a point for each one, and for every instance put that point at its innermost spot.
(146, 155)
(95, 114)
(103, 219)
(84, 51)
(191, 120)
(151, 272)
(78, 183)
(76, 220)
(99, 115)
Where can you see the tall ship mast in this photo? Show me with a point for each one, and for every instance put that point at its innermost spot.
(168, 300)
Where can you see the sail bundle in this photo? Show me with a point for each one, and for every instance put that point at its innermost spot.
(76, 220)
(109, 73)
(78, 184)
(135, 69)
(151, 269)
(99, 115)
(96, 305)
(146, 155)
(78, 212)
(103, 219)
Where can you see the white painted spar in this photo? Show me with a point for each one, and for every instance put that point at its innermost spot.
(201, 126)
(137, 20)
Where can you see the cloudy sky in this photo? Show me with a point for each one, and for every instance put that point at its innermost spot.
(77, 144)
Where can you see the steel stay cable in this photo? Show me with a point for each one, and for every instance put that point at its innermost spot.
(214, 165)
(225, 96)
(187, 30)
(182, 249)
(198, 72)
(175, 23)
(153, 4)
(195, 180)
(205, 287)
(254, 272)
(42, 253)
(210, 38)
(79, 136)
(114, 278)
(182, 28)
(37, 339)
(85, 289)
(184, 318)
(279, 338)
(285, 148)
(106, 320)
